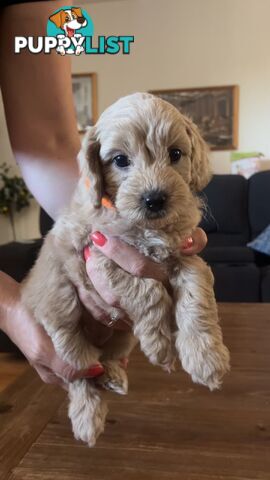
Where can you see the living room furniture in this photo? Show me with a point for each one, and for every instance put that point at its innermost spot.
(166, 428)
(236, 211)
(16, 259)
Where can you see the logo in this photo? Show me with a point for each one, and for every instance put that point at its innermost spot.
(70, 31)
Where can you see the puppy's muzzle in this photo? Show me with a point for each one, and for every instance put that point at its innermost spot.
(154, 203)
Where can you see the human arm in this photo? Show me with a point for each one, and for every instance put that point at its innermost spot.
(31, 338)
(37, 97)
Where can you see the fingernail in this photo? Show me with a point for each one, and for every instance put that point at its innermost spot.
(98, 239)
(95, 371)
(124, 362)
(86, 253)
(106, 202)
(188, 243)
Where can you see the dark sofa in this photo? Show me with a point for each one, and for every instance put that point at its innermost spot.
(16, 259)
(236, 211)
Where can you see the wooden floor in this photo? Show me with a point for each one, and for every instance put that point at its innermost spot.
(11, 367)
(167, 428)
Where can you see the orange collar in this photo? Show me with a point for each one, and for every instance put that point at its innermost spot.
(105, 202)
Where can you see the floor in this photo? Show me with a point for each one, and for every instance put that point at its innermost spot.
(11, 367)
(167, 428)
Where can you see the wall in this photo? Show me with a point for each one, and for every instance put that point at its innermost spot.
(181, 43)
(26, 222)
(190, 43)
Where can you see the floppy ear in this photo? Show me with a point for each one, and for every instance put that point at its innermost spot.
(56, 18)
(78, 11)
(90, 166)
(201, 172)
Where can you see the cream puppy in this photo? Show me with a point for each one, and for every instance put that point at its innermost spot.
(151, 161)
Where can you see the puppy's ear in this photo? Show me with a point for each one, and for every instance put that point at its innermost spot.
(77, 11)
(201, 172)
(57, 18)
(90, 166)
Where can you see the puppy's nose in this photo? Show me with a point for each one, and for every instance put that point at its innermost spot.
(81, 20)
(155, 200)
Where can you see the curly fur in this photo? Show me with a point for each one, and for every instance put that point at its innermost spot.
(142, 127)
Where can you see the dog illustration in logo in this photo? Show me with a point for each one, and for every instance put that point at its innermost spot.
(69, 20)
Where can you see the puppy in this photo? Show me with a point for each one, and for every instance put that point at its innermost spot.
(150, 160)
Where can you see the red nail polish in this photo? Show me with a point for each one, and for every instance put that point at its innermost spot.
(124, 362)
(188, 243)
(95, 371)
(86, 253)
(98, 239)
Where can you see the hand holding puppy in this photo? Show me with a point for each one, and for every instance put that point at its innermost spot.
(100, 301)
(32, 339)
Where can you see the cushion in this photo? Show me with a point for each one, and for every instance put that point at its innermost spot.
(236, 283)
(228, 255)
(17, 258)
(262, 242)
(45, 222)
(226, 211)
(219, 239)
(265, 285)
(259, 201)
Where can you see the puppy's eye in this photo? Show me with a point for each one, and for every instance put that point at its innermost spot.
(175, 154)
(121, 161)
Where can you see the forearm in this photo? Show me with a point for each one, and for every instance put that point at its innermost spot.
(51, 180)
(37, 96)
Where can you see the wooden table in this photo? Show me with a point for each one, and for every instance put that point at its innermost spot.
(166, 429)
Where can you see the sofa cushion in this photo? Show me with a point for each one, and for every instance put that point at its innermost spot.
(229, 255)
(225, 217)
(239, 283)
(265, 285)
(17, 258)
(259, 202)
(45, 222)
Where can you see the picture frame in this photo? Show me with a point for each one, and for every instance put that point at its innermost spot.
(84, 89)
(213, 109)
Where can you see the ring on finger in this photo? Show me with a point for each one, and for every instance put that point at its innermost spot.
(114, 317)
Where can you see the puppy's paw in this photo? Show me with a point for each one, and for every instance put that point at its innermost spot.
(87, 412)
(114, 378)
(163, 357)
(158, 349)
(205, 359)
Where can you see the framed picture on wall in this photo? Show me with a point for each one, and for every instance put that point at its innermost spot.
(84, 87)
(213, 109)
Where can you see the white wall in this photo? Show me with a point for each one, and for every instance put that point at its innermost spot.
(190, 43)
(181, 43)
(26, 222)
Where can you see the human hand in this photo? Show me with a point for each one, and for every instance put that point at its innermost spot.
(32, 339)
(100, 300)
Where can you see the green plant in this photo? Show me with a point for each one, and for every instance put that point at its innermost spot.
(14, 195)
